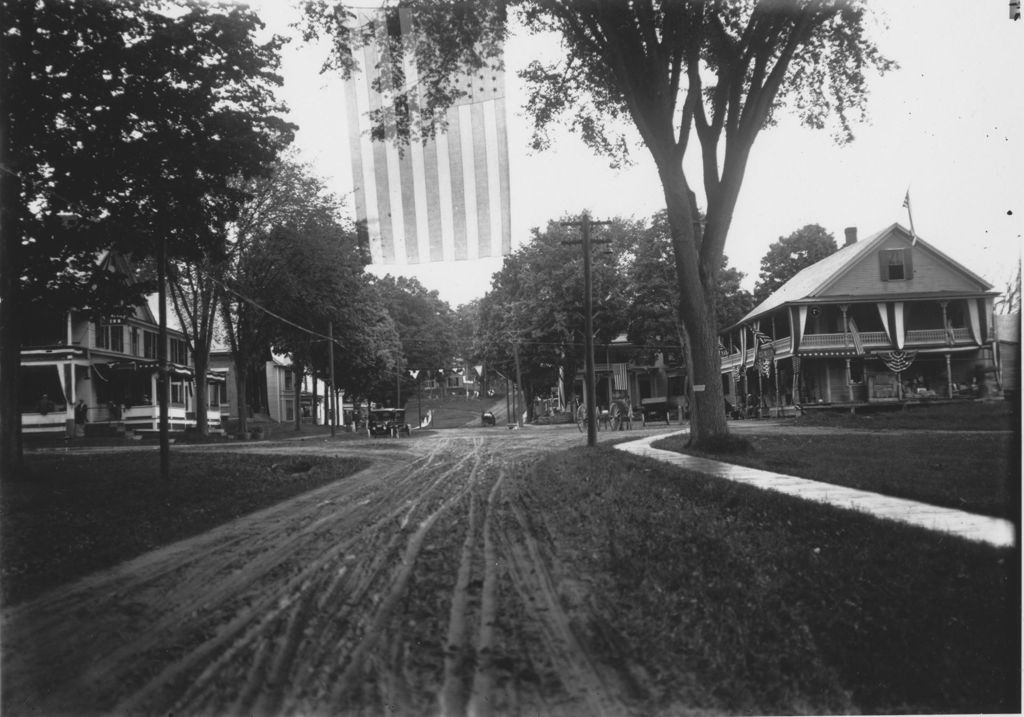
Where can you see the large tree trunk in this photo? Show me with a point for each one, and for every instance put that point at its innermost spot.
(201, 359)
(297, 386)
(10, 326)
(242, 388)
(10, 268)
(696, 309)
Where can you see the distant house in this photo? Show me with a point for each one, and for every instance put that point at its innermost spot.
(641, 378)
(276, 388)
(887, 318)
(112, 365)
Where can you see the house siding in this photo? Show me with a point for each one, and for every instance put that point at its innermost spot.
(931, 274)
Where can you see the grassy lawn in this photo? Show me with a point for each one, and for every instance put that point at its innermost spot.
(78, 513)
(968, 415)
(971, 472)
(739, 600)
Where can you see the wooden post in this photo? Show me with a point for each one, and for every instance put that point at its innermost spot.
(949, 377)
(519, 377)
(849, 384)
(163, 385)
(588, 322)
(330, 358)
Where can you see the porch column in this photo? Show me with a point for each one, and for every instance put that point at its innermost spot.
(949, 377)
(846, 334)
(797, 398)
(849, 382)
(899, 330)
(828, 381)
(778, 389)
(945, 322)
(760, 389)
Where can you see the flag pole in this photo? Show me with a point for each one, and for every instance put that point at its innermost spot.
(910, 215)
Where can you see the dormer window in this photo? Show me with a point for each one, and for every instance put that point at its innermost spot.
(895, 264)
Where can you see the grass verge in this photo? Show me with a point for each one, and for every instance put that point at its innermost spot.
(73, 514)
(960, 416)
(966, 472)
(739, 600)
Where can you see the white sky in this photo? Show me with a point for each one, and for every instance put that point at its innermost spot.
(948, 124)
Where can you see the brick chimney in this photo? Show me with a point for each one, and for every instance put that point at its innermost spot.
(851, 235)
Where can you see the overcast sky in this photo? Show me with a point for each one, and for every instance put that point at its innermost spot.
(947, 124)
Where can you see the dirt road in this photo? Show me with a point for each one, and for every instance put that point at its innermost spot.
(423, 585)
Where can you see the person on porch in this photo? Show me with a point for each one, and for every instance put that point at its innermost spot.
(81, 416)
(45, 404)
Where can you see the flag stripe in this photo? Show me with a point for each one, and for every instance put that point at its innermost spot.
(391, 179)
(366, 183)
(455, 168)
(493, 180)
(441, 200)
(355, 147)
(472, 245)
(482, 204)
(444, 196)
(503, 177)
(431, 180)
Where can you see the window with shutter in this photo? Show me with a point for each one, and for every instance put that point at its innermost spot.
(894, 264)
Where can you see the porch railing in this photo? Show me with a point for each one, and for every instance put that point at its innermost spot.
(937, 336)
(868, 339)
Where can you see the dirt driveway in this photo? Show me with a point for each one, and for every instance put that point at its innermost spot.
(423, 585)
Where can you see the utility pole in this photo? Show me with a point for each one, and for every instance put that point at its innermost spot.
(330, 355)
(519, 378)
(585, 224)
(163, 385)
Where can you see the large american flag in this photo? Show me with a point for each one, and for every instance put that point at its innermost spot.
(443, 200)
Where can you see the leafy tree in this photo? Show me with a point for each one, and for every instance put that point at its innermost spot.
(289, 194)
(536, 301)
(426, 330)
(790, 255)
(318, 290)
(195, 296)
(654, 293)
(132, 117)
(666, 70)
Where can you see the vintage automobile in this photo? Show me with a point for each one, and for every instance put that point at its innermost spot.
(387, 422)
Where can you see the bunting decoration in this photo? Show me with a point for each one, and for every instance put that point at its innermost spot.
(897, 361)
(445, 199)
(722, 350)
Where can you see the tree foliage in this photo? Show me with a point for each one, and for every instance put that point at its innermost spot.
(536, 300)
(653, 313)
(426, 332)
(134, 121)
(291, 254)
(121, 126)
(669, 72)
(789, 255)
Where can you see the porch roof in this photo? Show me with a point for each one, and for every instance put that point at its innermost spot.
(809, 284)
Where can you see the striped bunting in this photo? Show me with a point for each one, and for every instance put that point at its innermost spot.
(443, 200)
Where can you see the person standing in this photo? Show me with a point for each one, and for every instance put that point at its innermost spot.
(81, 416)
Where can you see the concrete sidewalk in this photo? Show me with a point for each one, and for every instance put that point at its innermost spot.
(979, 528)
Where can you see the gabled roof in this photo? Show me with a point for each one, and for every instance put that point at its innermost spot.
(814, 280)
